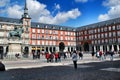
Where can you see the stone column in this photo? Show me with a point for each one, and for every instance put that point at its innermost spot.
(95, 48)
(108, 48)
(118, 48)
(101, 47)
(4, 52)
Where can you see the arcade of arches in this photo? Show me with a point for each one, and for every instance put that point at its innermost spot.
(105, 47)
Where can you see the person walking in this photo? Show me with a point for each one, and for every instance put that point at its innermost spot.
(74, 58)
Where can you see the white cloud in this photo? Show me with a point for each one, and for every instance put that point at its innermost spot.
(61, 17)
(57, 6)
(39, 12)
(113, 12)
(83, 1)
(3, 3)
(15, 11)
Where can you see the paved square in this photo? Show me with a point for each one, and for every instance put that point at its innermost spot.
(112, 69)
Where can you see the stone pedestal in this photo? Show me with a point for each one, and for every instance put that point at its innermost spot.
(14, 47)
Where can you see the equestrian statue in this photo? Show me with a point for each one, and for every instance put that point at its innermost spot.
(17, 32)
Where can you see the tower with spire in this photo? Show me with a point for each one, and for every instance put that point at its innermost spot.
(26, 21)
(25, 15)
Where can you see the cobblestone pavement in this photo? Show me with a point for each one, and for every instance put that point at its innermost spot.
(88, 69)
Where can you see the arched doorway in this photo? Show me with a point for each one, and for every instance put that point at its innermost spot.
(1, 52)
(46, 49)
(61, 46)
(54, 49)
(26, 51)
(50, 49)
(78, 47)
(86, 46)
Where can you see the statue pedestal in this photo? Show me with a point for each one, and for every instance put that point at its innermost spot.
(14, 48)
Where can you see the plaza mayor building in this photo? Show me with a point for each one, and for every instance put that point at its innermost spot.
(24, 36)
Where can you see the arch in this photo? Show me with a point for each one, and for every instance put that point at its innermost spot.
(50, 49)
(47, 49)
(61, 46)
(86, 46)
(26, 51)
(1, 52)
(54, 49)
(78, 47)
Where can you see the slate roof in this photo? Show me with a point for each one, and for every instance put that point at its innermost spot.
(100, 24)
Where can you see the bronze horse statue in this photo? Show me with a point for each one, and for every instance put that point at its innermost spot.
(16, 33)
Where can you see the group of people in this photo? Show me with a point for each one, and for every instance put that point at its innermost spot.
(51, 56)
(102, 55)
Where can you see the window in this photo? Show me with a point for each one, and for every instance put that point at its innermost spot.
(42, 30)
(42, 37)
(38, 30)
(114, 34)
(33, 30)
(61, 38)
(98, 35)
(38, 36)
(118, 39)
(98, 30)
(118, 27)
(46, 42)
(113, 27)
(38, 43)
(118, 33)
(33, 36)
(109, 28)
(102, 35)
(101, 29)
(105, 34)
(46, 31)
(105, 28)
(110, 34)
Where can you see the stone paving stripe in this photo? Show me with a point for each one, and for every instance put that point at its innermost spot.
(81, 66)
(111, 69)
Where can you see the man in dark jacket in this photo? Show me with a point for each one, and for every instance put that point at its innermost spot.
(2, 66)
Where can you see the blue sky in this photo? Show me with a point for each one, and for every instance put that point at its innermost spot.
(73, 13)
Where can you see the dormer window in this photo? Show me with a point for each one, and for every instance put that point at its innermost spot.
(38, 26)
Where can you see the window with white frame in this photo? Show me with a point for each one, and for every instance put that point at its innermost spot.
(98, 35)
(33, 36)
(38, 43)
(33, 42)
(42, 42)
(33, 30)
(95, 30)
(105, 34)
(118, 33)
(98, 30)
(114, 33)
(50, 42)
(61, 32)
(38, 30)
(105, 28)
(101, 29)
(109, 28)
(118, 27)
(113, 27)
(61, 38)
(102, 35)
(119, 40)
(110, 34)
(42, 30)
(46, 43)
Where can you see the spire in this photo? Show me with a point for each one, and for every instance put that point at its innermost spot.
(25, 8)
(25, 15)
